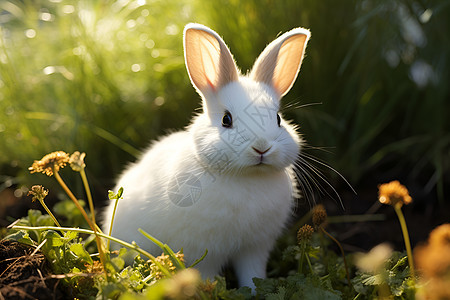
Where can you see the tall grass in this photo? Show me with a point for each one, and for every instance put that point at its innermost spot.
(379, 69)
(105, 77)
(101, 75)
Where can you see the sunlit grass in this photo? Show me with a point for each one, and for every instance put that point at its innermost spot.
(109, 76)
(376, 67)
(91, 73)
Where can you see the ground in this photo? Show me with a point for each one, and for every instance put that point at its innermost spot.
(25, 274)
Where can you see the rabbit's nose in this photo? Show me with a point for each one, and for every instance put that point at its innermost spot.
(261, 151)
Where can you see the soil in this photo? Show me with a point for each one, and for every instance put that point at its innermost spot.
(24, 274)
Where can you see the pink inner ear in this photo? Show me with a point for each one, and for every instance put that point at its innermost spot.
(202, 52)
(211, 85)
(209, 62)
(279, 63)
(288, 63)
(209, 58)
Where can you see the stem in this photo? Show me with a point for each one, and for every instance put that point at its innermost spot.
(302, 257)
(87, 231)
(88, 193)
(73, 198)
(357, 296)
(309, 263)
(83, 212)
(112, 221)
(401, 218)
(50, 213)
(342, 252)
(199, 260)
(166, 249)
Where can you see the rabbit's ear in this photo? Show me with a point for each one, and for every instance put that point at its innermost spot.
(279, 63)
(208, 60)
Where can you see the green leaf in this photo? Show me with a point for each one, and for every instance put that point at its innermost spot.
(79, 251)
(118, 262)
(33, 216)
(115, 196)
(401, 262)
(44, 220)
(68, 210)
(112, 291)
(295, 287)
(53, 239)
(69, 236)
(372, 279)
(265, 286)
(21, 236)
(200, 259)
(359, 286)
(122, 252)
(281, 293)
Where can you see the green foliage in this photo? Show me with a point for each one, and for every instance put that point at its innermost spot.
(109, 76)
(34, 219)
(316, 272)
(66, 209)
(295, 287)
(77, 73)
(66, 253)
(378, 68)
(395, 276)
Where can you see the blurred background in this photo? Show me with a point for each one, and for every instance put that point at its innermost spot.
(106, 77)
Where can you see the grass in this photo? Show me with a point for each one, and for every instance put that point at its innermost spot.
(359, 65)
(109, 76)
(82, 74)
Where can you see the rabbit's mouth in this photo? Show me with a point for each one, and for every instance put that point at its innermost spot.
(262, 160)
(262, 155)
(262, 167)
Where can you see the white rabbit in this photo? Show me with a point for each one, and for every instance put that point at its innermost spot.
(225, 183)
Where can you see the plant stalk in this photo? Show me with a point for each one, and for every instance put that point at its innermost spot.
(88, 194)
(50, 213)
(83, 212)
(401, 218)
(112, 222)
(342, 252)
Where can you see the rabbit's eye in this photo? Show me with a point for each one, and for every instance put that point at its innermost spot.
(227, 120)
(279, 120)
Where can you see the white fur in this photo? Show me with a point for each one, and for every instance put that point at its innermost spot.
(239, 205)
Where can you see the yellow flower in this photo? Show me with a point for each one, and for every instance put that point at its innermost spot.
(165, 261)
(50, 163)
(393, 193)
(76, 161)
(433, 260)
(38, 192)
(440, 236)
